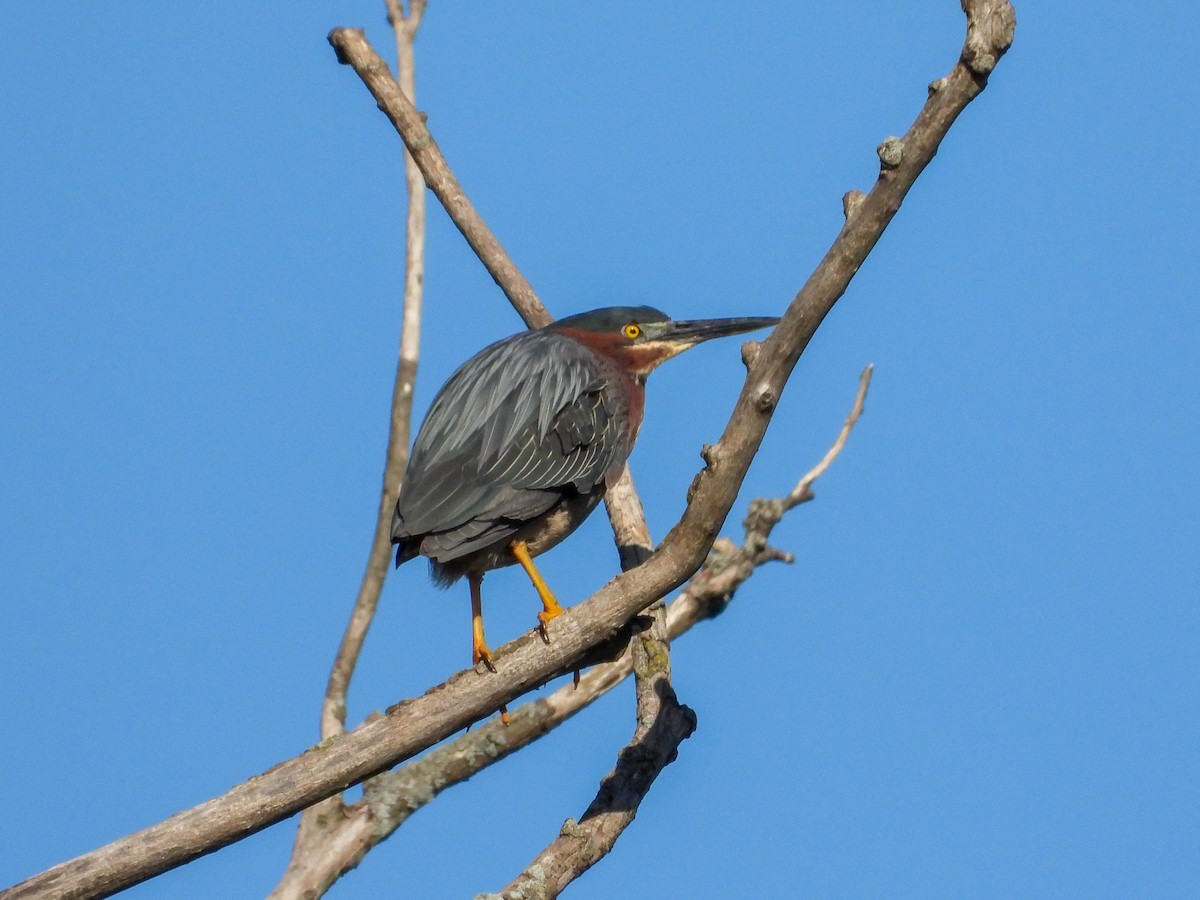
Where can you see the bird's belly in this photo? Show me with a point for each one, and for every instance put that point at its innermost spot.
(549, 529)
(539, 535)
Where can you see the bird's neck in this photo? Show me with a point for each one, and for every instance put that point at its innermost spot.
(635, 393)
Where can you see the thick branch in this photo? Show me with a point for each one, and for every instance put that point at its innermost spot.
(902, 161)
(415, 724)
(706, 596)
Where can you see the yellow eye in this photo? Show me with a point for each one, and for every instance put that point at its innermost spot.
(632, 331)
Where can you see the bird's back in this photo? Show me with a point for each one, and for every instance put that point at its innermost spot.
(528, 425)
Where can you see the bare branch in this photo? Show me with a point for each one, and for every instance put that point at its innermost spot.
(333, 714)
(390, 798)
(322, 824)
(322, 849)
(663, 723)
(802, 492)
(416, 724)
(353, 50)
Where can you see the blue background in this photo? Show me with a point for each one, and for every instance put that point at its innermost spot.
(978, 679)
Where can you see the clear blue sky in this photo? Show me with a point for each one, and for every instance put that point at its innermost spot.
(978, 679)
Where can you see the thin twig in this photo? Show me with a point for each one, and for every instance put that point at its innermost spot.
(333, 715)
(802, 492)
(315, 833)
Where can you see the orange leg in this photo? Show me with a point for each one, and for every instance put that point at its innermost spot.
(479, 647)
(550, 607)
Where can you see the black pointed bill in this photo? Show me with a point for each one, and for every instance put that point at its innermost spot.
(688, 334)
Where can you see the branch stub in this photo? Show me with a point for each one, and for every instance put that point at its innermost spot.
(891, 152)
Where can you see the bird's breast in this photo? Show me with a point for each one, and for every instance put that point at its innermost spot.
(626, 397)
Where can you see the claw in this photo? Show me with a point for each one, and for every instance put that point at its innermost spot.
(481, 653)
(545, 616)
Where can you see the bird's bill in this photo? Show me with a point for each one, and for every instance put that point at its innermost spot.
(691, 333)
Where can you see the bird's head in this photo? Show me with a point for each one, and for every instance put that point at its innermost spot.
(640, 338)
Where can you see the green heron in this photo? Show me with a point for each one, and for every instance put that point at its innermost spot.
(524, 439)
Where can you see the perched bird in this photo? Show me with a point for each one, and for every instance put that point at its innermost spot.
(524, 439)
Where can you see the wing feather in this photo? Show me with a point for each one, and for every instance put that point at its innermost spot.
(531, 415)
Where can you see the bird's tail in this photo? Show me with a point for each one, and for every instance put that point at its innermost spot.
(405, 550)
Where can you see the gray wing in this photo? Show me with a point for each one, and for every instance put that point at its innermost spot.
(521, 423)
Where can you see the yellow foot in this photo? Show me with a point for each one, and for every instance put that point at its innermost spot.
(504, 716)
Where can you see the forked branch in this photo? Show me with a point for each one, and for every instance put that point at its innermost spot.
(417, 724)
(391, 798)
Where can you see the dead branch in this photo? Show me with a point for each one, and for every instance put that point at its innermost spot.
(333, 713)
(353, 50)
(389, 799)
(663, 723)
(324, 825)
(317, 832)
(416, 724)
